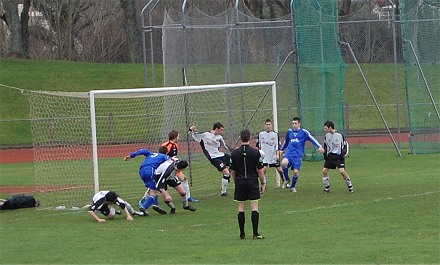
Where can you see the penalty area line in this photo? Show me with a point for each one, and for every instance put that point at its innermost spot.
(354, 203)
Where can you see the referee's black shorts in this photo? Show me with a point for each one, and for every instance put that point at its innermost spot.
(246, 189)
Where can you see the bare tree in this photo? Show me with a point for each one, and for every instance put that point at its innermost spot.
(86, 30)
(344, 10)
(18, 26)
(132, 30)
(66, 19)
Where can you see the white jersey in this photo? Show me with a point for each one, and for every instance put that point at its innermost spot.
(335, 143)
(269, 142)
(162, 169)
(99, 195)
(210, 143)
(99, 201)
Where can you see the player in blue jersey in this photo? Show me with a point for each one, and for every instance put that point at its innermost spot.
(146, 171)
(293, 149)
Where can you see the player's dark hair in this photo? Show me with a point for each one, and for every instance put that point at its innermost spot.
(111, 196)
(268, 120)
(182, 164)
(329, 124)
(217, 125)
(163, 150)
(245, 135)
(172, 135)
(298, 119)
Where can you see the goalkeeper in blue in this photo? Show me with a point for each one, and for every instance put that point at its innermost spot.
(293, 149)
(336, 149)
(146, 171)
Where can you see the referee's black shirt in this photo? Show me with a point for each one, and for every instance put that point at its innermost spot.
(245, 161)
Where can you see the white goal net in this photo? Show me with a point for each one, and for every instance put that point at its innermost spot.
(80, 139)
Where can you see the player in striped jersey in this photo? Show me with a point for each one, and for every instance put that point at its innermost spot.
(211, 142)
(269, 142)
(172, 150)
(336, 149)
(102, 202)
(293, 148)
(166, 175)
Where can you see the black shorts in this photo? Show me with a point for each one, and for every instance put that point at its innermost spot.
(277, 164)
(221, 162)
(246, 189)
(105, 210)
(334, 161)
(163, 183)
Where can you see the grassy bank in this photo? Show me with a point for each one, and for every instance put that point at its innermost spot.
(54, 76)
(82, 77)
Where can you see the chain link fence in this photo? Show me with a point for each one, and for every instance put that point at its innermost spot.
(235, 46)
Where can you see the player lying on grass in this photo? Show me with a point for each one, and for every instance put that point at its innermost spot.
(166, 175)
(102, 202)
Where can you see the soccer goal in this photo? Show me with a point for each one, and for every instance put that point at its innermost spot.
(80, 139)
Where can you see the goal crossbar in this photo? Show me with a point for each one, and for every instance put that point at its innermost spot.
(163, 91)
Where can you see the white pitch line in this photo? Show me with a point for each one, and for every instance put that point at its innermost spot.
(352, 203)
(222, 222)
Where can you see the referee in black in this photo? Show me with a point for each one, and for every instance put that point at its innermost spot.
(246, 167)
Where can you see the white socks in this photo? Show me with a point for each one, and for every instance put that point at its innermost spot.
(225, 183)
(348, 182)
(326, 181)
(186, 188)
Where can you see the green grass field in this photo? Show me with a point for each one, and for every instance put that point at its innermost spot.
(82, 77)
(392, 218)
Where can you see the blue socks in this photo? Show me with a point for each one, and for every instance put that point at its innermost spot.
(286, 173)
(150, 200)
(294, 180)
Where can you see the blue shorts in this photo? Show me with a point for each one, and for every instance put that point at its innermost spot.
(147, 176)
(294, 162)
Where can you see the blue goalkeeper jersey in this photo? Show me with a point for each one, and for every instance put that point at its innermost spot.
(152, 159)
(295, 142)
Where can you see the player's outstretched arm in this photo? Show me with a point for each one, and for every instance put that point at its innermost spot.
(95, 217)
(196, 136)
(127, 213)
(193, 128)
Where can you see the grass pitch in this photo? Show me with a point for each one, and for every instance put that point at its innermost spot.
(392, 218)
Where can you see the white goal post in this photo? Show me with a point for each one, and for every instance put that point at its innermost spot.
(80, 139)
(164, 91)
